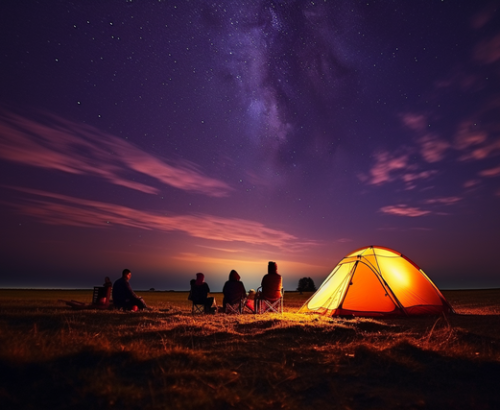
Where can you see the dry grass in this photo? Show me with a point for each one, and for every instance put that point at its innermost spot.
(54, 357)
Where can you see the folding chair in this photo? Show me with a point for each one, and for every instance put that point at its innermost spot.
(198, 309)
(101, 297)
(271, 306)
(235, 308)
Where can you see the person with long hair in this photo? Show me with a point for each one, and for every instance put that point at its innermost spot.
(271, 283)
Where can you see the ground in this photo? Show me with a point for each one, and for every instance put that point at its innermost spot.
(58, 358)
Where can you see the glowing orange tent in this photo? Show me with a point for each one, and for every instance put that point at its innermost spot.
(377, 281)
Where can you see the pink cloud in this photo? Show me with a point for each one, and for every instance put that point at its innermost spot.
(444, 201)
(432, 148)
(492, 172)
(390, 168)
(411, 177)
(80, 149)
(403, 210)
(474, 141)
(416, 122)
(385, 164)
(469, 135)
(56, 209)
(487, 150)
(471, 183)
(411, 211)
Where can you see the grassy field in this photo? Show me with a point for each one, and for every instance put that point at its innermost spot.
(52, 357)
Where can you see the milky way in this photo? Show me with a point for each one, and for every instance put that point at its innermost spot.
(289, 69)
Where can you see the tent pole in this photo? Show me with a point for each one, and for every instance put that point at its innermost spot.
(386, 285)
(351, 274)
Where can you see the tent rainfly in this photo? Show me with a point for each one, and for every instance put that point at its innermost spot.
(377, 281)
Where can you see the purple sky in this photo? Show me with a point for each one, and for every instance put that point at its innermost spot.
(175, 137)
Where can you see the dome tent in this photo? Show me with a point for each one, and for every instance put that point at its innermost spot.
(377, 281)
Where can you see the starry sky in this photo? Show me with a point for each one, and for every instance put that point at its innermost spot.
(175, 137)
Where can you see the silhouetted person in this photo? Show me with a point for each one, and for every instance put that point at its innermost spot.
(233, 290)
(123, 295)
(271, 283)
(199, 294)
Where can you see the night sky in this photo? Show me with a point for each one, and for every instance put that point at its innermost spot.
(175, 137)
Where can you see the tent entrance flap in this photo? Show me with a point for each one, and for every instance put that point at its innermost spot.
(330, 294)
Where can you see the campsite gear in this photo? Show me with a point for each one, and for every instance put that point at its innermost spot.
(101, 296)
(377, 281)
(197, 308)
(269, 305)
(234, 308)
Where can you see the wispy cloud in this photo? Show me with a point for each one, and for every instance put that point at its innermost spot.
(470, 183)
(56, 209)
(476, 141)
(80, 149)
(404, 210)
(392, 167)
(486, 150)
(411, 177)
(492, 172)
(385, 165)
(432, 148)
(414, 121)
(444, 200)
(218, 249)
(413, 211)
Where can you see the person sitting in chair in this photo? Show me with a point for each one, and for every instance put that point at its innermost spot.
(271, 287)
(271, 283)
(199, 294)
(123, 295)
(233, 290)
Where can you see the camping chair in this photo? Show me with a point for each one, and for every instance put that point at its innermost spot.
(235, 308)
(100, 299)
(101, 295)
(271, 306)
(198, 309)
